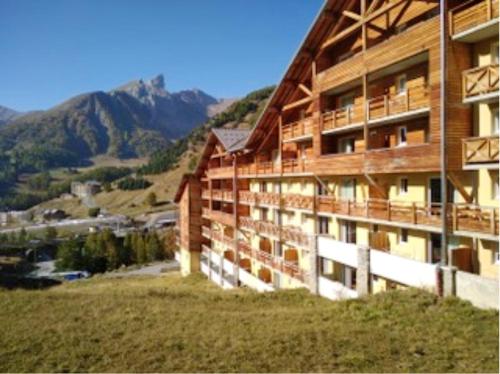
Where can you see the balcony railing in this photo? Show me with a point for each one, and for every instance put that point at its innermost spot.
(287, 267)
(268, 167)
(480, 150)
(222, 195)
(205, 194)
(290, 234)
(298, 201)
(471, 218)
(206, 232)
(268, 198)
(218, 216)
(295, 165)
(247, 197)
(299, 129)
(220, 172)
(389, 105)
(342, 117)
(472, 13)
(221, 238)
(480, 81)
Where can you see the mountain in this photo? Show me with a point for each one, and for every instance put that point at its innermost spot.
(7, 115)
(133, 120)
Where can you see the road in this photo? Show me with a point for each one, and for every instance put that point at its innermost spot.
(153, 269)
(113, 220)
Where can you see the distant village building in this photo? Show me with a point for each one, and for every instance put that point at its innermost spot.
(85, 189)
(14, 216)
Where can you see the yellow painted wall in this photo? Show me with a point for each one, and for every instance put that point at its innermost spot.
(486, 255)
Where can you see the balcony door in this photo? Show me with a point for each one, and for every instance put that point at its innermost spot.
(434, 249)
(348, 232)
(434, 197)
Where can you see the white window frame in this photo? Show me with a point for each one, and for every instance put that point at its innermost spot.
(323, 222)
(400, 90)
(401, 236)
(400, 143)
(401, 190)
(344, 186)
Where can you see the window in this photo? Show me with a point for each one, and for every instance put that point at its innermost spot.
(264, 213)
(495, 187)
(303, 151)
(322, 191)
(402, 136)
(348, 189)
(303, 185)
(278, 250)
(277, 217)
(403, 186)
(323, 225)
(346, 101)
(494, 53)
(303, 219)
(375, 228)
(403, 236)
(263, 187)
(348, 232)
(277, 187)
(401, 84)
(346, 145)
(495, 125)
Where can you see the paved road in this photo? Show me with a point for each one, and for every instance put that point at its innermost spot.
(153, 269)
(114, 220)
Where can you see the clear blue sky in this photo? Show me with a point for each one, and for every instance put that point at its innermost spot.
(54, 49)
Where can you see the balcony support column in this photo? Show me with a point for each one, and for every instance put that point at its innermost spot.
(363, 271)
(442, 116)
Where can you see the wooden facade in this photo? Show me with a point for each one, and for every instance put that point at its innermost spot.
(361, 99)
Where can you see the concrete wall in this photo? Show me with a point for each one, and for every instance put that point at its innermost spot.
(480, 291)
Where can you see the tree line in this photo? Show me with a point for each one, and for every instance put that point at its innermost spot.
(103, 251)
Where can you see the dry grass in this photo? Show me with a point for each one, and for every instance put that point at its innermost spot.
(169, 324)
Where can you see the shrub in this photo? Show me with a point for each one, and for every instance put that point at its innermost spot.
(94, 212)
(133, 184)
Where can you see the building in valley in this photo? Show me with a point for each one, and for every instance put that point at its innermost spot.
(374, 165)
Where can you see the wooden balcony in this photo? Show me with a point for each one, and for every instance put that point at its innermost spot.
(467, 217)
(225, 172)
(247, 169)
(206, 232)
(218, 216)
(291, 234)
(221, 238)
(268, 168)
(387, 106)
(472, 218)
(291, 268)
(481, 150)
(480, 81)
(294, 165)
(205, 194)
(268, 198)
(247, 197)
(299, 130)
(472, 14)
(223, 195)
(298, 201)
(343, 117)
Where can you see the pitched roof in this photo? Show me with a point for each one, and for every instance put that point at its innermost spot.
(182, 185)
(231, 139)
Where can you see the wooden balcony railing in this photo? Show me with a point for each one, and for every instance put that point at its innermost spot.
(296, 165)
(247, 169)
(221, 238)
(287, 267)
(472, 218)
(247, 197)
(222, 195)
(480, 150)
(298, 129)
(291, 234)
(342, 117)
(472, 13)
(467, 217)
(480, 81)
(220, 172)
(388, 105)
(298, 201)
(268, 167)
(268, 198)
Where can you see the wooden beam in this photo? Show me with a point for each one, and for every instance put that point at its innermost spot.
(304, 89)
(455, 181)
(376, 28)
(352, 15)
(372, 6)
(347, 32)
(297, 103)
(375, 185)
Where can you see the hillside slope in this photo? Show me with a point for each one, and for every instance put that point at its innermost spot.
(175, 324)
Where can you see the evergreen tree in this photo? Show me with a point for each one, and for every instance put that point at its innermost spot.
(126, 251)
(70, 256)
(50, 233)
(154, 247)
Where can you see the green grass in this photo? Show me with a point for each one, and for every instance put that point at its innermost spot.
(170, 324)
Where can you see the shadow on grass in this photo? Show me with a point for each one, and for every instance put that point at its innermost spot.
(12, 282)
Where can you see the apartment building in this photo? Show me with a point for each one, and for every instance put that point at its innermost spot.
(374, 165)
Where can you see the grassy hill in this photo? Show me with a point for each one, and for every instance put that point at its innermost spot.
(170, 324)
